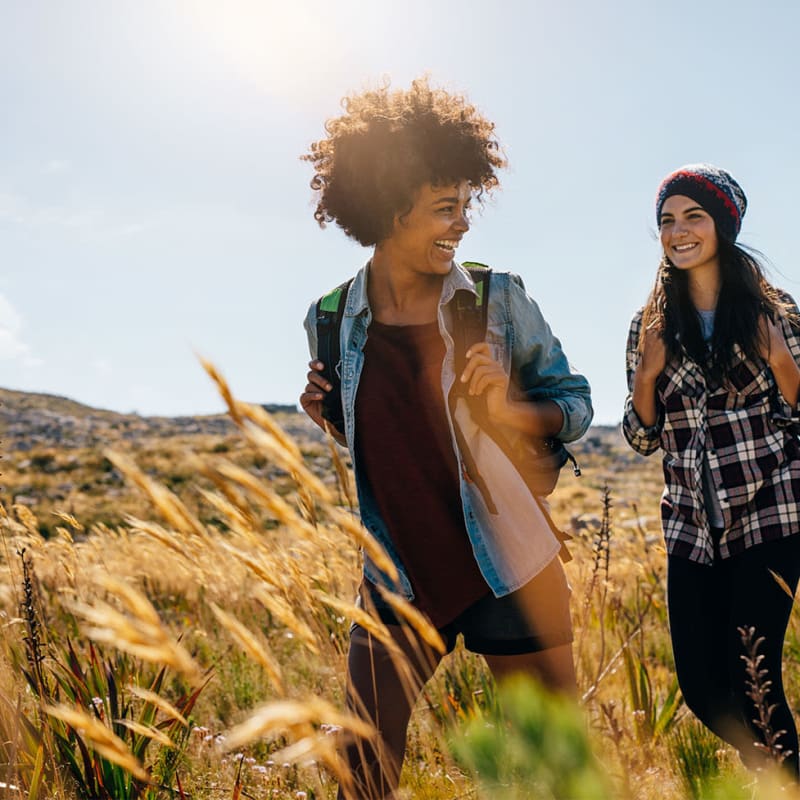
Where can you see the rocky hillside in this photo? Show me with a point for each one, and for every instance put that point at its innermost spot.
(30, 420)
(53, 459)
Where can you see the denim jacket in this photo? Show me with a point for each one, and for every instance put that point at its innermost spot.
(512, 542)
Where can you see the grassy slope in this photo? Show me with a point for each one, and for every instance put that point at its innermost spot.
(53, 461)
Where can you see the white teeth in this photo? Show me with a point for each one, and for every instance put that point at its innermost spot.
(446, 244)
(682, 247)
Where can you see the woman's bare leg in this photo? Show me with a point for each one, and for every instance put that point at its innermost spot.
(552, 668)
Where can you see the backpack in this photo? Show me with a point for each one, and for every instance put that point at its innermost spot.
(540, 464)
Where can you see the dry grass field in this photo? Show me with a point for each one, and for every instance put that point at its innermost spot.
(175, 597)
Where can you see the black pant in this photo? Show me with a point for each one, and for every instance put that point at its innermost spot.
(707, 605)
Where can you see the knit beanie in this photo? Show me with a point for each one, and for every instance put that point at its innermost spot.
(714, 189)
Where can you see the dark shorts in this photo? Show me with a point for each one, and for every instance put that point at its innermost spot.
(533, 618)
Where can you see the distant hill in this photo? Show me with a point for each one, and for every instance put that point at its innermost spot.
(53, 459)
(12, 401)
(29, 420)
(32, 419)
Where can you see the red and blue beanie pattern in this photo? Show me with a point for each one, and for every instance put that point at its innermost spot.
(714, 189)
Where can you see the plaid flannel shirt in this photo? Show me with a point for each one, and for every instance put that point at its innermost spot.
(749, 434)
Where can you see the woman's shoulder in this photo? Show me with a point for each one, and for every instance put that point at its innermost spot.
(785, 301)
(786, 307)
(636, 320)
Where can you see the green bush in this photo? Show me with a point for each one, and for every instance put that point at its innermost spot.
(534, 745)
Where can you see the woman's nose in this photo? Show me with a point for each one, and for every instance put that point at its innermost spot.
(679, 229)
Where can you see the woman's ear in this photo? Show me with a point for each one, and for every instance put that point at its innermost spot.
(401, 219)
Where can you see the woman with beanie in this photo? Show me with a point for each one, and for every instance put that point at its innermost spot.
(398, 171)
(713, 377)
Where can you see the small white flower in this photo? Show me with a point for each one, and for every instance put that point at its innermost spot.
(329, 729)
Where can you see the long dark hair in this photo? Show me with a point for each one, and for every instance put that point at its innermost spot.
(745, 295)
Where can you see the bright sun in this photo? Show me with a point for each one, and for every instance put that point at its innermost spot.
(282, 47)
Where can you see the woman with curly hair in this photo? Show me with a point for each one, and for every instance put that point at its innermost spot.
(713, 373)
(470, 546)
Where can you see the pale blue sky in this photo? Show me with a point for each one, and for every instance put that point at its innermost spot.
(152, 203)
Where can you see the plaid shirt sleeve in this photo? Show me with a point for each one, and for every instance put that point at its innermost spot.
(786, 415)
(643, 439)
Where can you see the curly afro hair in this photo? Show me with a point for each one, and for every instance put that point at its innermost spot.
(389, 143)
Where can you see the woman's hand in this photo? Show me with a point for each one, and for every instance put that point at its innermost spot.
(484, 376)
(652, 362)
(315, 391)
(654, 355)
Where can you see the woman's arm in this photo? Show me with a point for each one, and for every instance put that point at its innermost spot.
(643, 417)
(557, 399)
(651, 364)
(484, 376)
(775, 350)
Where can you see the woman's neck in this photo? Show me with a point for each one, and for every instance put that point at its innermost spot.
(399, 296)
(704, 286)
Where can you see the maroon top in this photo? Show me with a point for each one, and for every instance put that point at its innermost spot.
(405, 449)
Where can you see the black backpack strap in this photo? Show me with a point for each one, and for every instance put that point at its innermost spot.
(470, 313)
(330, 309)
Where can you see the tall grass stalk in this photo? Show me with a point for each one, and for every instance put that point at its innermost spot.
(758, 687)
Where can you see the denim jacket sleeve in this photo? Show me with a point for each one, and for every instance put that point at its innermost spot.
(643, 439)
(540, 367)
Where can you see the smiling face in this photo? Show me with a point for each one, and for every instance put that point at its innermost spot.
(426, 237)
(688, 234)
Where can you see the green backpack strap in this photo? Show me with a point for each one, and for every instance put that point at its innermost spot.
(330, 309)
